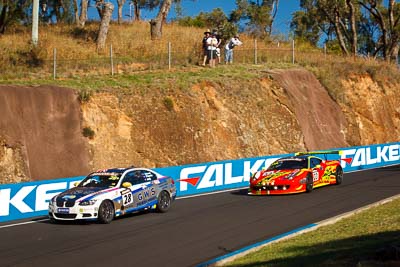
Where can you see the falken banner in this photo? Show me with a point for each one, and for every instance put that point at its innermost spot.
(25, 200)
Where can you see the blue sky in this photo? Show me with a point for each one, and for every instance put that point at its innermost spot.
(193, 8)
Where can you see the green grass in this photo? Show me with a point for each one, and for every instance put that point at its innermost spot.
(177, 79)
(353, 241)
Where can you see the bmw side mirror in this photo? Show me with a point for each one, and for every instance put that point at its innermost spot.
(126, 185)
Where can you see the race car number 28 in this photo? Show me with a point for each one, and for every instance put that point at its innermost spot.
(127, 198)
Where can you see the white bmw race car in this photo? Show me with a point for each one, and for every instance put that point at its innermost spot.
(109, 193)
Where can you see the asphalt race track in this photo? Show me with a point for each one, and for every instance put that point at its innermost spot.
(194, 230)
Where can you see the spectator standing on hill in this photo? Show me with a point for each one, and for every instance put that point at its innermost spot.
(229, 48)
(212, 43)
(218, 50)
(207, 34)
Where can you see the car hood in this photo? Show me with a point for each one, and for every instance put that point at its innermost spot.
(269, 176)
(78, 192)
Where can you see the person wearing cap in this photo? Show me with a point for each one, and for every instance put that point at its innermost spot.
(229, 48)
(207, 34)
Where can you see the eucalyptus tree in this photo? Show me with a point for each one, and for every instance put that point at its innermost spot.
(258, 15)
(157, 23)
(120, 5)
(327, 16)
(306, 27)
(387, 19)
(57, 11)
(139, 5)
(12, 11)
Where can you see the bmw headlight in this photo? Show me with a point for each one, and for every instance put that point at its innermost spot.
(88, 202)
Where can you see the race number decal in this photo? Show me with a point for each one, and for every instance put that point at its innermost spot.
(127, 198)
(315, 175)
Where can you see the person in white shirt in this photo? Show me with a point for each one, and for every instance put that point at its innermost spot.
(229, 48)
(212, 44)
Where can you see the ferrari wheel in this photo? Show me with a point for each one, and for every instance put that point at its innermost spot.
(106, 212)
(339, 175)
(310, 184)
(164, 202)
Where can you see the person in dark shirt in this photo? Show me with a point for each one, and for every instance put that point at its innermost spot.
(207, 34)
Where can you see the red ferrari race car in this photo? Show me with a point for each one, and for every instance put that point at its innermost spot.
(300, 173)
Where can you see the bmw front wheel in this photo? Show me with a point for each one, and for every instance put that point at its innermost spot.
(106, 212)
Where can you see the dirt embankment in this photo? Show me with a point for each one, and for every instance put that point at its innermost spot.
(40, 134)
(286, 111)
(321, 119)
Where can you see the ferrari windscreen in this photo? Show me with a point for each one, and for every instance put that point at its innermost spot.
(288, 164)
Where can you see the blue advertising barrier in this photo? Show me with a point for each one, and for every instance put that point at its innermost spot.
(25, 200)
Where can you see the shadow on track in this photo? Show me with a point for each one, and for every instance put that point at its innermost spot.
(380, 249)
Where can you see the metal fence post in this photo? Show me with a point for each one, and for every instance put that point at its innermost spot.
(169, 55)
(111, 60)
(54, 63)
(293, 51)
(255, 51)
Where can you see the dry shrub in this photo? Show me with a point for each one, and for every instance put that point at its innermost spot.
(133, 50)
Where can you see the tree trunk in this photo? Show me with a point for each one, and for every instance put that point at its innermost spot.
(120, 5)
(157, 23)
(136, 10)
(394, 54)
(374, 11)
(393, 24)
(334, 19)
(353, 28)
(83, 15)
(339, 35)
(104, 24)
(274, 12)
(76, 12)
(99, 7)
(3, 20)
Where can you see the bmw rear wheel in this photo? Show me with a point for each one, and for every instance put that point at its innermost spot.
(106, 212)
(309, 184)
(339, 175)
(164, 202)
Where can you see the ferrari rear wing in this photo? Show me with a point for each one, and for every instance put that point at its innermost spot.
(325, 153)
(336, 152)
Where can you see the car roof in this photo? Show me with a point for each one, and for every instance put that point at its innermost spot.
(120, 171)
(303, 157)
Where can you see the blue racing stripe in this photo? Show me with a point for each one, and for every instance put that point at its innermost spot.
(213, 261)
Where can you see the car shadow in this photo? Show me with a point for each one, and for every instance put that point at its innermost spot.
(46, 220)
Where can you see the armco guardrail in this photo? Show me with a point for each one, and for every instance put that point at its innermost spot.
(24, 200)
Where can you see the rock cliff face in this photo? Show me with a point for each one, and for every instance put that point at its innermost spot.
(40, 134)
(372, 110)
(286, 111)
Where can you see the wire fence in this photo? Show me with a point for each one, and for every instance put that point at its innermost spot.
(114, 63)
